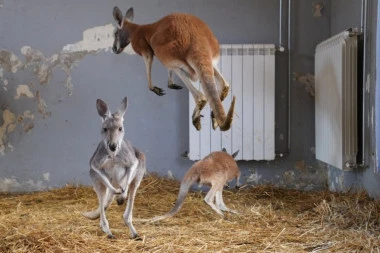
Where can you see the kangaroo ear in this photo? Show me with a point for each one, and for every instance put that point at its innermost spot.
(123, 107)
(129, 14)
(235, 154)
(117, 15)
(102, 108)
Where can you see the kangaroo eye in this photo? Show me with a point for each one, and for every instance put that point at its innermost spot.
(120, 129)
(104, 129)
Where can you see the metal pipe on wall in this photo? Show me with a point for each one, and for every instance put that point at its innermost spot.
(280, 26)
(289, 70)
(363, 27)
(280, 46)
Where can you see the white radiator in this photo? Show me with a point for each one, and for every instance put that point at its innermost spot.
(250, 70)
(336, 129)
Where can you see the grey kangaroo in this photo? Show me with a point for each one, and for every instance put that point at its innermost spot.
(116, 168)
(216, 170)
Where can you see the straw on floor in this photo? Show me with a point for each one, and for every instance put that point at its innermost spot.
(271, 220)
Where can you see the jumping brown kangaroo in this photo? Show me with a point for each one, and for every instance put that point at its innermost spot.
(216, 170)
(185, 45)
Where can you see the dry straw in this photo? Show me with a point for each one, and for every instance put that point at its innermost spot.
(271, 220)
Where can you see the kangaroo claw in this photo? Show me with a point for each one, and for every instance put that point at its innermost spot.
(174, 86)
(158, 91)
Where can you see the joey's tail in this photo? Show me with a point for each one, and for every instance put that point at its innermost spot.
(184, 189)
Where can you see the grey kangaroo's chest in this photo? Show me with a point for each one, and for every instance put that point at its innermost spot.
(123, 160)
(117, 168)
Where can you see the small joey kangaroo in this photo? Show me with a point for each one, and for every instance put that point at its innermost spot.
(185, 45)
(216, 170)
(116, 168)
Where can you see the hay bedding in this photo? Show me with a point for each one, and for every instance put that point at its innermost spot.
(272, 220)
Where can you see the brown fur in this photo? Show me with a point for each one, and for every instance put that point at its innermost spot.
(214, 170)
(185, 45)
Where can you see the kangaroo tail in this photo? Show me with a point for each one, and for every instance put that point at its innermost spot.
(206, 75)
(184, 189)
(230, 116)
(92, 215)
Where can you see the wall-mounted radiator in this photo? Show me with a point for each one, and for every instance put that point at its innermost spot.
(250, 70)
(336, 126)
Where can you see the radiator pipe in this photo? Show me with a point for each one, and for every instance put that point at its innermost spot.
(289, 70)
(363, 27)
(362, 16)
(280, 46)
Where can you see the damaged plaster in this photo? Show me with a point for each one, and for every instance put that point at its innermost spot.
(308, 80)
(12, 185)
(10, 122)
(44, 66)
(23, 90)
(9, 61)
(94, 40)
(8, 125)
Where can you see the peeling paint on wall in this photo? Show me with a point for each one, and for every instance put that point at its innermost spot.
(8, 126)
(12, 185)
(9, 61)
(308, 80)
(43, 66)
(254, 177)
(95, 40)
(23, 90)
(42, 107)
(170, 174)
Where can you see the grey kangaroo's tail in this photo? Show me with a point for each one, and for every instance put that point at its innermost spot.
(92, 215)
(184, 189)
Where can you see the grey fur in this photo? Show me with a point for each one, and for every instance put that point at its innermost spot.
(116, 168)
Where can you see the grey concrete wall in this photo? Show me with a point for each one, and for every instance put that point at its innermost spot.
(50, 145)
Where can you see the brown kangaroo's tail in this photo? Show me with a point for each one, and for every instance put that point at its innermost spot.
(206, 74)
(230, 116)
(184, 189)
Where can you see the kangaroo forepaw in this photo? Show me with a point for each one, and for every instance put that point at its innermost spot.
(119, 191)
(158, 91)
(174, 86)
(120, 200)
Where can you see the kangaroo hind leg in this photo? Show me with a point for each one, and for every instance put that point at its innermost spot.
(128, 211)
(101, 192)
(209, 199)
(199, 98)
(171, 84)
(220, 203)
(223, 85)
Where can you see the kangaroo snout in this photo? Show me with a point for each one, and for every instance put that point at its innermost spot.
(112, 147)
